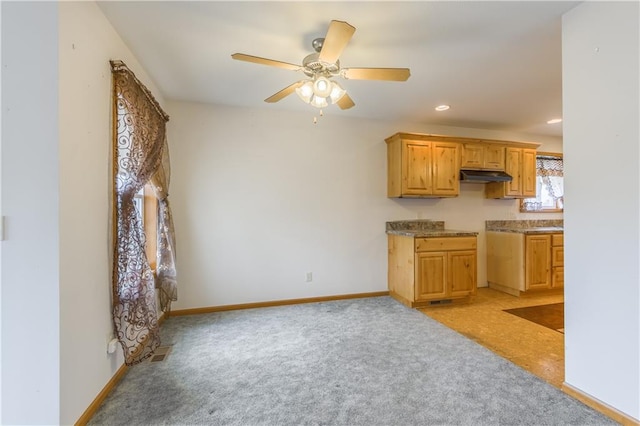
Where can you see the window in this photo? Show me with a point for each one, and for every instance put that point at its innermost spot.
(138, 200)
(549, 185)
(147, 210)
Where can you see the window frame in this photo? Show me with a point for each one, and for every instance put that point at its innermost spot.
(544, 210)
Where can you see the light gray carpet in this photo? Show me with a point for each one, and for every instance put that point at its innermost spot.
(352, 362)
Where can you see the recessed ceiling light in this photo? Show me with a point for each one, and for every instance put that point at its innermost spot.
(442, 107)
(554, 121)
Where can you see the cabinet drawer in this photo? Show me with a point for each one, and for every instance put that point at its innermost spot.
(557, 256)
(557, 239)
(446, 243)
(557, 277)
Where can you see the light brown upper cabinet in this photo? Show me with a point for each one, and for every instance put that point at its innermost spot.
(482, 156)
(520, 163)
(420, 166)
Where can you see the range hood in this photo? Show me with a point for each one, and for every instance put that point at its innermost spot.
(484, 176)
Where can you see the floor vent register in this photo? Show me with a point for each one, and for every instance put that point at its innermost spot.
(160, 354)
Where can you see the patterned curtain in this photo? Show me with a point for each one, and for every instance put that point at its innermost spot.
(166, 261)
(140, 142)
(551, 169)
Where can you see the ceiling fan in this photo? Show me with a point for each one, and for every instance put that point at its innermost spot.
(319, 89)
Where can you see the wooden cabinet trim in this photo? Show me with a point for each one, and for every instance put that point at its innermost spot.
(458, 139)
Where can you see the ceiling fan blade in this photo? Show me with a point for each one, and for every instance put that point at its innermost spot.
(345, 102)
(338, 35)
(284, 92)
(265, 61)
(391, 74)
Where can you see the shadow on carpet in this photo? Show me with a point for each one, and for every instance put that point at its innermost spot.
(550, 316)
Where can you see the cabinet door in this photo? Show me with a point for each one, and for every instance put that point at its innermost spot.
(494, 157)
(472, 156)
(462, 272)
(446, 169)
(431, 275)
(537, 261)
(512, 167)
(528, 173)
(416, 168)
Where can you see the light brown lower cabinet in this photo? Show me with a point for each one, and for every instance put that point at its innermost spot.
(537, 263)
(425, 270)
(518, 263)
(557, 260)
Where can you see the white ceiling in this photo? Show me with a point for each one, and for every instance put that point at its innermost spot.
(498, 64)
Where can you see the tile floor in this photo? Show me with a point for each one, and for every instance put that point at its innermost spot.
(533, 347)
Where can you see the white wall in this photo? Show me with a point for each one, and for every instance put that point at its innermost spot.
(56, 171)
(87, 42)
(602, 315)
(30, 269)
(261, 197)
(1, 223)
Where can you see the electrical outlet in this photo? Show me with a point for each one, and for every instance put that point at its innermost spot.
(309, 277)
(110, 338)
(112, 345)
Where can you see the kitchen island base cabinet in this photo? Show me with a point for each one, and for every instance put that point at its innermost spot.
(518, 263)
(426, 271)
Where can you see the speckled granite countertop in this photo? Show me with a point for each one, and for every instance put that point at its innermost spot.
(552, 226)
(424, 228)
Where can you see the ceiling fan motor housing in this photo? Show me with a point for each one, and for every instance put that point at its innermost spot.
(313, 66)
(317, 44)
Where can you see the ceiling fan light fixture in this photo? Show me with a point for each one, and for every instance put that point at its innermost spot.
(322, 86)
(319, 101)
(337, 92)
(305, 92)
